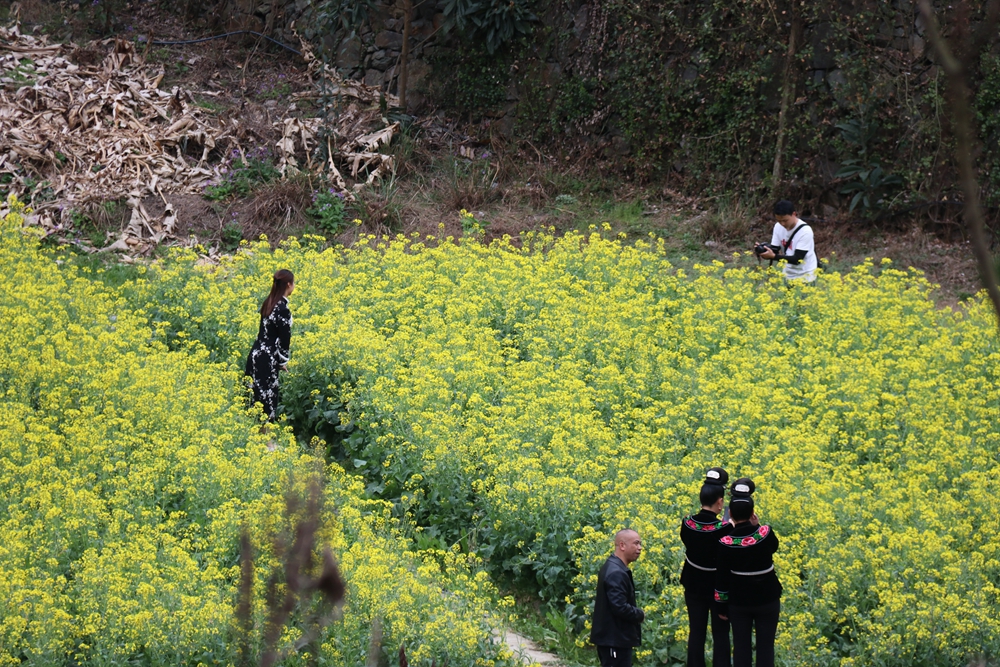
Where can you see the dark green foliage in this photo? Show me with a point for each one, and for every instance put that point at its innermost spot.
(478, 80)
(88, 228)
(869, 187)
(243, 174)
(327, 210)
(676, 85)
(575, 103)
(693, 92)
(231, 236)
(105, 12)
(870, 184)
(988, 118)
(347, 14)
(494, 23)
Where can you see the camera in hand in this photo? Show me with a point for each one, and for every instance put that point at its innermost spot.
(760, 248)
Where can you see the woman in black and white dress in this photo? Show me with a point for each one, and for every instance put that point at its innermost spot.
(270, 352)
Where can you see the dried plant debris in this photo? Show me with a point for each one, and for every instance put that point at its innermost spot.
(358, 131)
(75, 131)
(329, 83)
(94, 132)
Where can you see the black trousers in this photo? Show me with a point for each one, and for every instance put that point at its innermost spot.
(612, 656)
(700, 606)
(761, 620)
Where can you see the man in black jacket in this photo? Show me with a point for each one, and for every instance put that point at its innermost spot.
(616, 624)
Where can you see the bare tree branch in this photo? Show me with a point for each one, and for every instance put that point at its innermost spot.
(959, 100)
(295, 549)
(374, 644)
(244, 608)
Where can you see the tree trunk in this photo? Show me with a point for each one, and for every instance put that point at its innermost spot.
(787, 99)
(404, 58)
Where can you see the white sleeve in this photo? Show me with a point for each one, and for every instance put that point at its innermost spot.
(776, 237)
(803, 241)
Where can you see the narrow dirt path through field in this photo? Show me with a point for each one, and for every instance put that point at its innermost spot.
(529, 652)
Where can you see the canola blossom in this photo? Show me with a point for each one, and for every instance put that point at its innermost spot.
(127, 472)
(524, 401)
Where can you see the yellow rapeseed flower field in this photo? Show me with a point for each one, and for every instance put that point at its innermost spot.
(127, 471)
(525, 400)
(519, 401)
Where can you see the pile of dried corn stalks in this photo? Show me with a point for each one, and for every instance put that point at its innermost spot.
(107, 131)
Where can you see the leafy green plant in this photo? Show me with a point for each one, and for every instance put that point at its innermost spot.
(346, 14)
(494, 22)
(858, 132)
(471, 224)
(24, 74)
(327, 210)
(231, 235)
(243, 174)
(85, 225)
(870, 184)
(38, 191)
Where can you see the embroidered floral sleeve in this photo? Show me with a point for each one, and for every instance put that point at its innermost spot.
(748, 541)
(698, 526)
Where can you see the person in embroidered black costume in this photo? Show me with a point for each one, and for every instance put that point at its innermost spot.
(700, 533)
(616, 626)
(747, 587)
(270, 352)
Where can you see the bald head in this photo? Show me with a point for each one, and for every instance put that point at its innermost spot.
(624, 534)
(628, 546)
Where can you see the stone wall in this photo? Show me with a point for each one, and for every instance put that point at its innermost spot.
(371, 55)
(567, 44)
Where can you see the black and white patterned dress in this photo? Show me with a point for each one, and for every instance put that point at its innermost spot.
(270, 351)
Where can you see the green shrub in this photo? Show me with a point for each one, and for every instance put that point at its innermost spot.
(241, 174)
(328, 210)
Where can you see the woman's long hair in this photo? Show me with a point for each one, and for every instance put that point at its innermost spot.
(282, 279)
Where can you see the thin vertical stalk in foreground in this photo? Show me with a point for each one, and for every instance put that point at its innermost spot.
(957, 69)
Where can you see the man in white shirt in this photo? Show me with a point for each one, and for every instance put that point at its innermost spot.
(792, 241)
